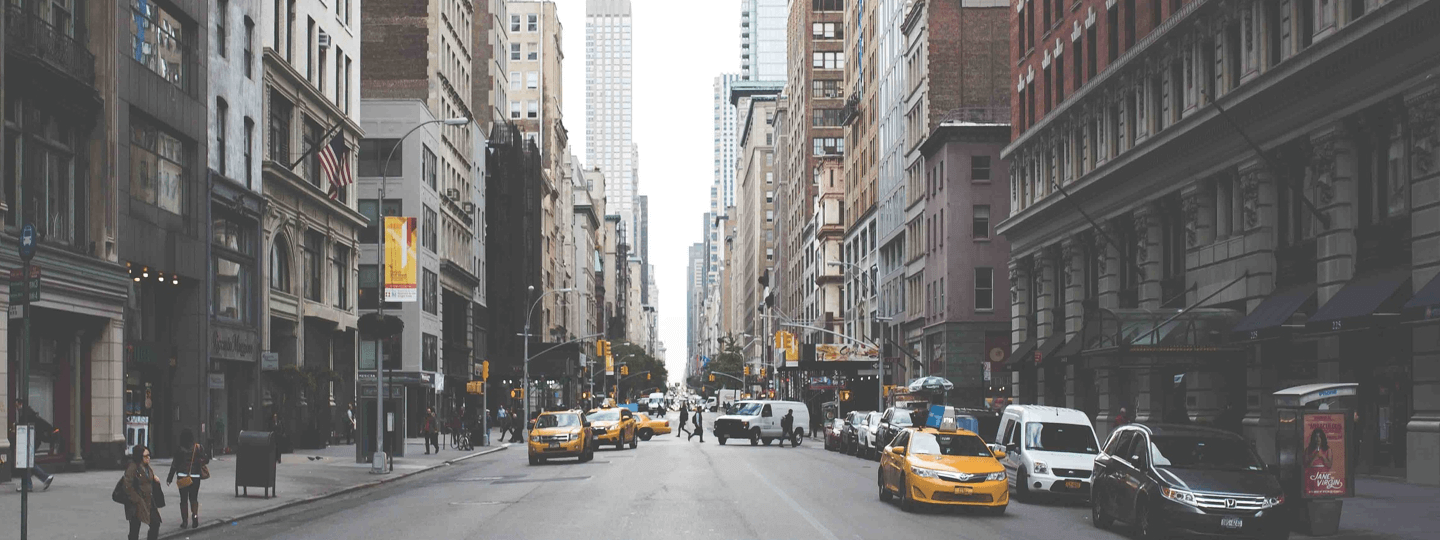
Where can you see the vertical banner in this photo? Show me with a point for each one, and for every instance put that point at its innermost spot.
(401, 262)
(609, 365)
(1325, 465)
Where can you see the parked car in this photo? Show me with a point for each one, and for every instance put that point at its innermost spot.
(850, 436)
(760, 420)
(1048, 449)
(868, 434)
(895, 420)
(942, 466)
(833, 432)
(1176, 479)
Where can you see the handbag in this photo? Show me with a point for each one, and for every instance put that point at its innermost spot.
(204, 472)
(184, 481)
(118, 495)
(157, 494)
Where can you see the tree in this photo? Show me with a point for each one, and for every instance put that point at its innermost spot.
(730, 361)
(638, 361)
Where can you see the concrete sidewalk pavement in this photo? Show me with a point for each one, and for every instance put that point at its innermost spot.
(78, 507)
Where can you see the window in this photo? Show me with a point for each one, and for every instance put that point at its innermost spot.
(825, 89)
(828, 145)
(310, 49)
(980, 227)
(249, 150)
(532, 22)
(1112, 34)
(532, 109)
(310, 140)
(222, 121)
(160, 42)
(515, 51)
(532, 51)
(339, 276)
(979, 168)
(1154, 15)
(827, 30)
(370, 208)
(828, 60)
(984, 288)
(515, 81)
(249, 48)
(532, 79)
(828, 117)
(221, 37)
(280, 264)
(320, 79)
(1059, 79)
(515, 110)
(514, 23)
(428, 166)
(1076, 76)
(375, 152)
(431, 351)
(281, 115)
(345, 87)
(314, 260)
(1129, 24)
(370, 293)
(1091, 63)
(429, 299)
(232, 290)
(159, 167)
(429, 235)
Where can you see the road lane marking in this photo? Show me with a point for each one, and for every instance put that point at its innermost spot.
(538, 480)
(793, 505)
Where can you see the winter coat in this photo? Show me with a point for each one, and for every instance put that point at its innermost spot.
(140, 491)
(184, 463)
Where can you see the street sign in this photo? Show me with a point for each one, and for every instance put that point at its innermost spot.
(27, 242)
(17, 286)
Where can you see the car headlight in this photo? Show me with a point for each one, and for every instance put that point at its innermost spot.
(1180, 496)
(1271, 502)
(923, 472)
(534, 438)
(1041, 468)
(995, 476)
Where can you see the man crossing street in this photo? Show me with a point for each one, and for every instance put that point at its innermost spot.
(684, 417)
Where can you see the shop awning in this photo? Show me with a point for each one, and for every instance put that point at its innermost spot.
(1428, 299)
(1047, 349)
(1363, 298)
(1089, 335)
(1273, 312)
(1026, 350)
(1136, 337)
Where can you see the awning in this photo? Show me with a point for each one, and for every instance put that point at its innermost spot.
(1048, 348)
(1364, 297)
(1273, 312)
(1089, 334)
(1428, 299)
(1024, 351)
(1144, 337)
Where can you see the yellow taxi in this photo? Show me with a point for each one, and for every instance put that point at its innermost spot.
(614, 426)
(650, 427)
(557, 434)
(943, 466)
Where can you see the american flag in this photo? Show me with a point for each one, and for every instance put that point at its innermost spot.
(335, 161)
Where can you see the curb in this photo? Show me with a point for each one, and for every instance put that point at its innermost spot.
(299, 502)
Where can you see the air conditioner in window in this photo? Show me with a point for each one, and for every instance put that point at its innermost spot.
(468, 207)
(324, 40)
(452, 194)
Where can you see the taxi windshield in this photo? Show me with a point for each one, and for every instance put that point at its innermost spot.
(558, 420)
(947, 445)
(611, 415)
(750, 408)
(1052, 437)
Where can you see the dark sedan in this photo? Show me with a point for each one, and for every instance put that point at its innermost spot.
(833, 432)
(850, 432)
(1186, 480)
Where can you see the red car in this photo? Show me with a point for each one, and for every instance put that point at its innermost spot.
(833, 431)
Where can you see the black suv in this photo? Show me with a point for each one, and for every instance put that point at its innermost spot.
(895, 420)
(1182, 479)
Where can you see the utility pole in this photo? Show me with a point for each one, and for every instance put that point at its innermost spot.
(25, 446)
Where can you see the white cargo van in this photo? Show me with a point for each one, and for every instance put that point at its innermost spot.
(1047, 450)
(759, 420)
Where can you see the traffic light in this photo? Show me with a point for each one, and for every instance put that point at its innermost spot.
(485, 370)
(762, 372)
(779, 339)
(602, 348)
(747, 371)
(518, 393)
(792, 347)
(647, 376)
(712, 377)
(624, 370)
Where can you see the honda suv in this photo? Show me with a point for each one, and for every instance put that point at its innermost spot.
(1180, 479)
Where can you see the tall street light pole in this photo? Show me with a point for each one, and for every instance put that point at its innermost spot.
(377, 464)
(525, 394)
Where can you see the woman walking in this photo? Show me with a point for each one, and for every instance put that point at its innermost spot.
(140, 484)
(188, 465)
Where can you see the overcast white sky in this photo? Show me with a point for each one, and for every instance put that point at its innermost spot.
(679, 48)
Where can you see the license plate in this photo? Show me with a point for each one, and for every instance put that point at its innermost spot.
(554, 445)
(1232, 522)
(1072, 484)
(964, 490)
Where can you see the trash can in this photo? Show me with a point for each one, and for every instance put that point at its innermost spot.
(255, 463)
(1316, 444)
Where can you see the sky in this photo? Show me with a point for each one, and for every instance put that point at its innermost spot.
(680, 46)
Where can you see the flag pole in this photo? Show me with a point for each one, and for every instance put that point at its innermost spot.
(324, 140)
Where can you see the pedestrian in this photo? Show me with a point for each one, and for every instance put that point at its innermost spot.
(140, 485)
(697, 423)
(189, 463)
(502, 419)
(787, 426)
(350, 420)
(1121, 418)
(684, 417)
(41, 431)
(429, 431)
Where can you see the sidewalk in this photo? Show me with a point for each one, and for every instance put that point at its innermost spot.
(1383, 508)
(77, 506)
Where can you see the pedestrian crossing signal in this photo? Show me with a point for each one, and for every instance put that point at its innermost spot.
(518, 393)
(475, 387)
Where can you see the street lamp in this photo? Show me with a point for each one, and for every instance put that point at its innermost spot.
(377, 464)
(528, 315)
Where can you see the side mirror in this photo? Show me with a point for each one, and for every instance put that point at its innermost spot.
(1012, 448)
(1000, 454)
(897, 450)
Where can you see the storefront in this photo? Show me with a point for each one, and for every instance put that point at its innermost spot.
(232, 374)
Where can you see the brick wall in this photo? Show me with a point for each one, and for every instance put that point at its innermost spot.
(395, 46)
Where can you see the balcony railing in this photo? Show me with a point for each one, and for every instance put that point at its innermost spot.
(27, 34)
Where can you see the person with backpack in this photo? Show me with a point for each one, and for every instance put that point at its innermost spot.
(190, 465)
(787, 427)
(684, 417)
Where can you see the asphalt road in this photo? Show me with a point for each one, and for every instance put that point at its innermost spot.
(667, 488)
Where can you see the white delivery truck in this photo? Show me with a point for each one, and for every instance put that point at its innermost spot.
(761, 420)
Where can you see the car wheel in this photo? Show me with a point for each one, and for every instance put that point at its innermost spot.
(587, 455)
(722, 441)
(1144, 527)
(1097, 514)
(646, 435)
(1022, 486)
(797, 437)
(635, 441)
(906, 503)
(755, 437)
(880, 480)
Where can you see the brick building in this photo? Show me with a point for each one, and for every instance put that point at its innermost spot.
(1308, 256)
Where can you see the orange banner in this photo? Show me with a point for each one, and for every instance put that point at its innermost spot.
(401, 261)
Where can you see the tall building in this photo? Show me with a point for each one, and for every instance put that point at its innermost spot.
(762, 39)
(609, 140)
(313, 230)
(694, 288)
(754, 214)
(722, 191)
(892, 140)
(490, 60)
(859, 116)
(1302, 252)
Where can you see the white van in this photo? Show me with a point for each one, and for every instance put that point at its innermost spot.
(759, 420)
(1047, 449)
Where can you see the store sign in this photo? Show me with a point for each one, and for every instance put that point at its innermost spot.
(215, 381)
(269, 361)
(1325, 466)
(234, 344)
(401, 261)
(846, 353)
